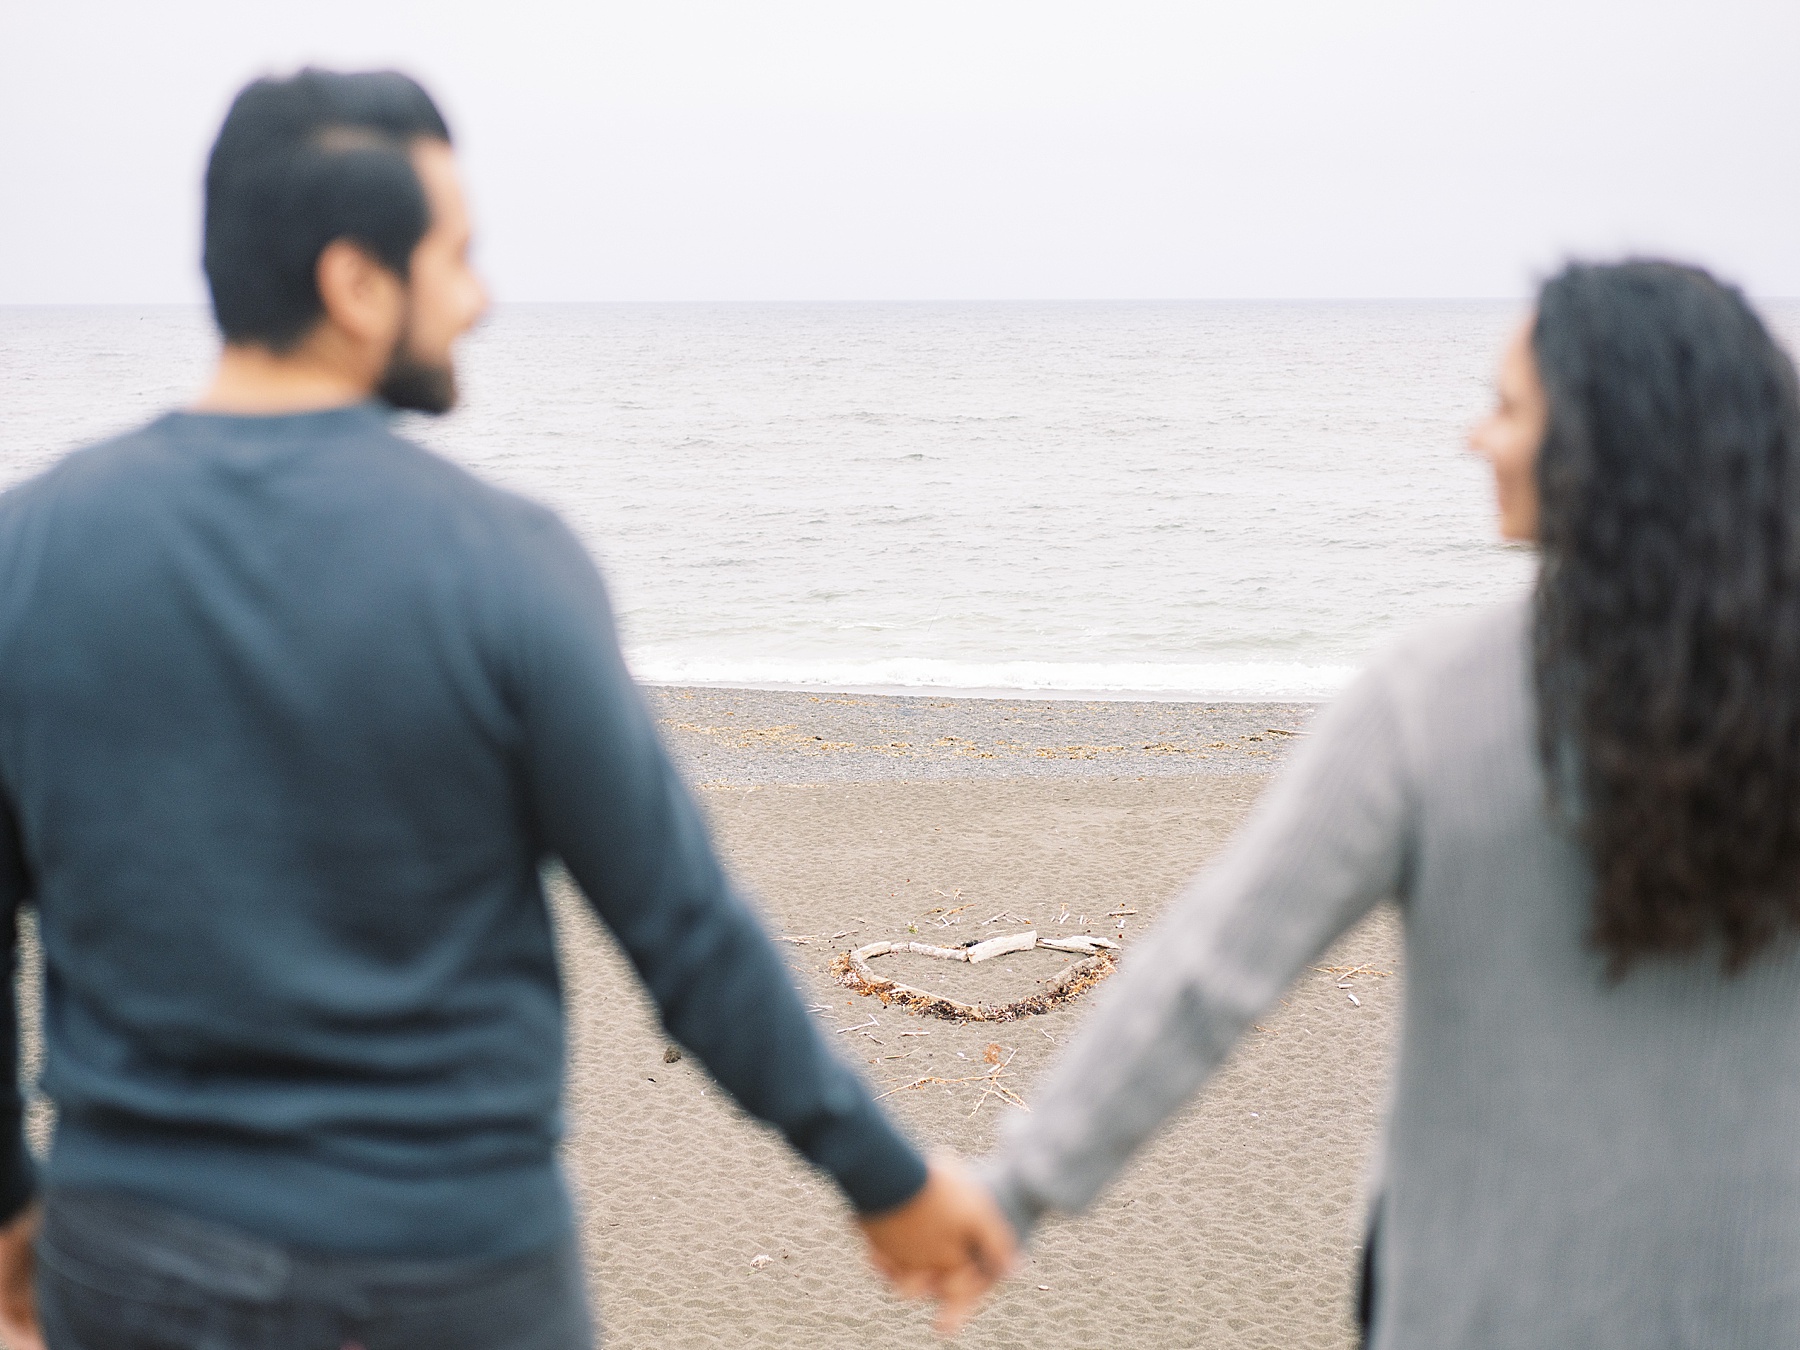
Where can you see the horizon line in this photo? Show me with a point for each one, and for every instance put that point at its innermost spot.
(890, 300)
(883, 300)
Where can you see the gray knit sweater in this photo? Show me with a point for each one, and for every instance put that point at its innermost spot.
(1566, 1162)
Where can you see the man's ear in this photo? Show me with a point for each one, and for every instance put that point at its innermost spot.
(361, 296)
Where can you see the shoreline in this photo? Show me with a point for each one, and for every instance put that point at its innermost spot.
(992, 693)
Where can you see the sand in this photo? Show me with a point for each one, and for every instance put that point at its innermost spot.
(854, 819)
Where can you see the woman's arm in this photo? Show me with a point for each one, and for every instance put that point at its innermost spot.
(1330, 838)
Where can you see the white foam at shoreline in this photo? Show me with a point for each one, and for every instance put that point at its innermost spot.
(1228, 681)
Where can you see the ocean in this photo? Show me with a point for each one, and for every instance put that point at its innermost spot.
(1211, 500)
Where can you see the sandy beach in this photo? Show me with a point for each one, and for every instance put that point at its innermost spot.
(855, 819)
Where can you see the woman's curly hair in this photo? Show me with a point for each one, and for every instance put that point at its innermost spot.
(1667, 629)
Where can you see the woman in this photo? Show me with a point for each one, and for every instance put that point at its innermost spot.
(1588, 808)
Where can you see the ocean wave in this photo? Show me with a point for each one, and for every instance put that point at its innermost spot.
(1226, 681)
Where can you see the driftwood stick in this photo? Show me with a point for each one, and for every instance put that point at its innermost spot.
(1090, 970)
(1003, 946)
(926, 949)
(1087, 946)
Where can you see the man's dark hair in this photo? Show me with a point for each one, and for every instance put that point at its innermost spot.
(300, 162)
(1668, 607)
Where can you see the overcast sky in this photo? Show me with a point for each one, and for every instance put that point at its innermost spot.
(762, 149)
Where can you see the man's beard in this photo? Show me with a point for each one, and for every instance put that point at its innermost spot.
(412, 385)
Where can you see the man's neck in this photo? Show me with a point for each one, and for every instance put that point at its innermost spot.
(256, 382)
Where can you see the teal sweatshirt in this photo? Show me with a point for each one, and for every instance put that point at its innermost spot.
(292, 715)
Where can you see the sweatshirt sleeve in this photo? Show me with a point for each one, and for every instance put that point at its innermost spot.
(606, 799)
(1330, 839)
(18, 1174)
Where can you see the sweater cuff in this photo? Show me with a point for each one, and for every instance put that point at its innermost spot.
(871, 1161)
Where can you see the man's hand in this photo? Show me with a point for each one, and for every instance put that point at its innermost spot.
(949, 1242)
(18, 1267)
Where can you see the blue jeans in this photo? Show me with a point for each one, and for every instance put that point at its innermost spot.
(116, 1273)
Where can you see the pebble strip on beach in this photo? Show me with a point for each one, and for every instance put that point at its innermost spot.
(740, 737)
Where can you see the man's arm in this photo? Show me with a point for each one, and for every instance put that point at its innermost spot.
(606, 799)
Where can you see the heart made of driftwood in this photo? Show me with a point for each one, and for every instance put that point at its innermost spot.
(1098, 957)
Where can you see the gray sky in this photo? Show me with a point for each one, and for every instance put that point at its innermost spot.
(768, 149)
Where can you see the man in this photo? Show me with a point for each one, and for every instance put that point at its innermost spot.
(291, 714)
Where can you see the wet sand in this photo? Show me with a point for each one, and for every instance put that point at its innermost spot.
(856, 819)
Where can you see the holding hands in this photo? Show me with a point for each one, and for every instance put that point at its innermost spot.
(949, 1243)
